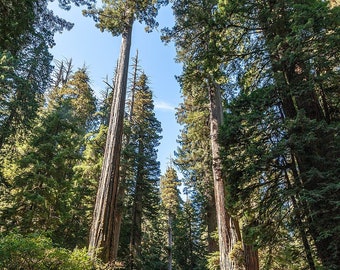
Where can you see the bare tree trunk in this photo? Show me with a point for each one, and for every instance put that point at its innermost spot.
(251, 258)
(228, 228)
(101, 234)
(211, 223)
(223, 218)
(122, 182)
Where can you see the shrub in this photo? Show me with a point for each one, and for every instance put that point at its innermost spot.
(36, 251)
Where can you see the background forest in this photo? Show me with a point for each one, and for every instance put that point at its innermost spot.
(258, 155)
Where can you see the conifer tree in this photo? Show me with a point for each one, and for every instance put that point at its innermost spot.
(306, 106)
(170, 202)
(154, 249)
(189, 249)
(127, 156)
(145, 135)
(279, 66)
(41, 178)
(193, 155)
(201, 60)
(26, 33)
(25, 62)
(116, 17)
(87, 172)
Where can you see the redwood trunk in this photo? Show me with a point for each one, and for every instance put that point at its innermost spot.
(228, 228)
(251, 258)
(225, 238)
(122, 183)
(118, 215)
(101, 234)
(211, 223)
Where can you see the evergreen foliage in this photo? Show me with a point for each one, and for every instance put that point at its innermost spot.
(169, 191)
(25, 61)
(44, 194)
(34, 251)
(145, 137)
(274, 125)
(117, 17)
(276, 64)
(193, 157)
(189, 245)
(278, 139)
(170, 202)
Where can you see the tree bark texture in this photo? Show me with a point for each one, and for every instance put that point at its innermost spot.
(225, 234)
(228, 228)
(211, 223)
(251, 258)
(122, 182)
(101, 234)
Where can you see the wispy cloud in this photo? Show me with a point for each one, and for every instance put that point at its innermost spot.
(162, 105)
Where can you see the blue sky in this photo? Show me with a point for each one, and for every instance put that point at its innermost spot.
(99, 51)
